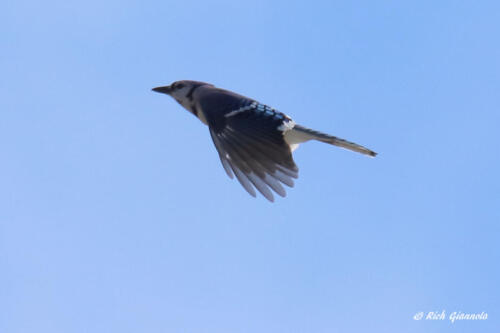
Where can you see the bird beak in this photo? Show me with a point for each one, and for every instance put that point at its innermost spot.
(163, 90)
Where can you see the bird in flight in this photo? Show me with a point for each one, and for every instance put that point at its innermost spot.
(254, 141)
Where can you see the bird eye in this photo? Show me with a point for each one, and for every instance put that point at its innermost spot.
(177, 85)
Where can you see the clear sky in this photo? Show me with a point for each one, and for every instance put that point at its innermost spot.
(116, 215)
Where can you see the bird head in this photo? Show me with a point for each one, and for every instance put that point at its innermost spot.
(181, 91)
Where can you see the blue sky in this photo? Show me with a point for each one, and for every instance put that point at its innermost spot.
(116, 215)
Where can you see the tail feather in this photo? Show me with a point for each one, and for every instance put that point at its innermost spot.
(333, 140)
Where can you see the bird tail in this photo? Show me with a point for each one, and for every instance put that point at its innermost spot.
(333, 140)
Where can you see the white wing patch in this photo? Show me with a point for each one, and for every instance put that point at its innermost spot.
(287, 125)
(242, 109)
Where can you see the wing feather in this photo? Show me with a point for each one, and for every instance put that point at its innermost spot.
(253, 148)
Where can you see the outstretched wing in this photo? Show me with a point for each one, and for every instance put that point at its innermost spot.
(251, 145)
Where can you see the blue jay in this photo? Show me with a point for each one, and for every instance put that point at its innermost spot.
(254, 141)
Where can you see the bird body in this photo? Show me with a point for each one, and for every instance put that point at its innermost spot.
(254, 141)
